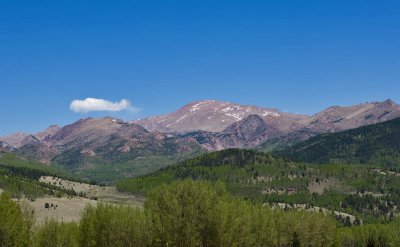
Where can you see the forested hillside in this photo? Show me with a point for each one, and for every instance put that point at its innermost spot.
(369, 193)
(373, 144)
(19, 176)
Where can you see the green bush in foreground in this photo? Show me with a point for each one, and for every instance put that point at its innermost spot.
(14, 224)
(56, 234)
(370, 235)
(110, 225)
(192, 213)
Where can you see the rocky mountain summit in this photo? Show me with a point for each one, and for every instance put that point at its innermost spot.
(215, 116)
(20, 139)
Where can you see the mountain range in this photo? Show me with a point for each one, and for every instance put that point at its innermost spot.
(197, 127)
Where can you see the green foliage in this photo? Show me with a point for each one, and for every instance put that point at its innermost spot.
(109, 173)
(367, 193)
(142, 186)
(14, 224)
(182, 214)
(19, 177)
(53, 233)
(29, 168)
(374, 144)
(370, 235)
(231, 166)
(109, 225)
(191, 213)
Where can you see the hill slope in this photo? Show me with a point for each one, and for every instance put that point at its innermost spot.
(264, 178)
(92, 141)
(19, 176)
(378, 143)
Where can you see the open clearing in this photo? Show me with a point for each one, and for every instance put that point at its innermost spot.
(65, 209)
(70, 208)
(100, 193)
(321, 186)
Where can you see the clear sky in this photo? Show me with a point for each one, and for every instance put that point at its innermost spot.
(297, 56)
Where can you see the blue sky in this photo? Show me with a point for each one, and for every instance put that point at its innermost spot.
(297, 56)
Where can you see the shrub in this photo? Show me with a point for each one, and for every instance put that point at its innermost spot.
(53, 234)
(14, 226)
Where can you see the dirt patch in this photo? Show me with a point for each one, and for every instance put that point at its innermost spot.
(70, 208)
(264, 179)
(65, 209)
(320, 186)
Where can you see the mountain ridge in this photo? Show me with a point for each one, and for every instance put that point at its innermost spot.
(214, 116)
(108, 140)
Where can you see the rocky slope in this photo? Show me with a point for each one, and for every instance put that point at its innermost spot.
(246, 133)
(215, 116)
(20, 139)
(336, 119)
(5, 147)
(14, 139)
(104, 141)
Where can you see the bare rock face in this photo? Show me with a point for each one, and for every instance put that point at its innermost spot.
(6, 148)
(215, 116)
(207, 140)
(248, 132)
(338, 118)
(202, 119)
(15, 139)
(20, 139)
(47, 133)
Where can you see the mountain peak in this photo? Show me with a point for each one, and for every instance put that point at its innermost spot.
(389, 102)
(14, 139)
(249, 127)
(214, 116)
(248, 132)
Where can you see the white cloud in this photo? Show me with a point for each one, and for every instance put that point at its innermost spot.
(92, 104)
